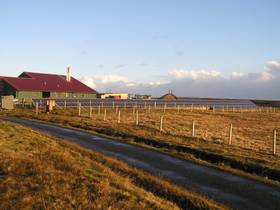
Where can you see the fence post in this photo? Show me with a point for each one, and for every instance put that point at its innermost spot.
(178, 108)
(133, 111)
(98, 109)
(155, 104)
(104, 117)
(37, 108)
(90, 111)
(79, 109)
(65, 104)
(193, 128)
(230, 135)
(119, 116)
(161, 124)
(274, 141)
(164, 109)
(137, 118)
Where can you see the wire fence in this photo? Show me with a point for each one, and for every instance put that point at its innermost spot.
(253, 128)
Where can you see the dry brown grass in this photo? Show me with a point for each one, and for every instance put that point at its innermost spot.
(40, 172)
(252, 134)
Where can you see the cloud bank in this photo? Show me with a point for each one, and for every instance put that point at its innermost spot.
(199, 83)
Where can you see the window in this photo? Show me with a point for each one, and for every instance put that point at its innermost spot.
(46, 94)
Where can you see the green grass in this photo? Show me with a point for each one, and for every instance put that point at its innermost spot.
(42, 172)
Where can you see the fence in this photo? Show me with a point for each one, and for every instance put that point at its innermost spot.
(210, 103)
(184, 121)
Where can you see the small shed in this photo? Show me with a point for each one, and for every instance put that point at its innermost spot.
(7, 102)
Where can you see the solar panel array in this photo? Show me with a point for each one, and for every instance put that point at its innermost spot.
(185, 102)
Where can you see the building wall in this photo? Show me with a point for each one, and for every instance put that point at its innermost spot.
(6, 89)
(27, 96)
(1, 86)
(73, 95)
(110, 95)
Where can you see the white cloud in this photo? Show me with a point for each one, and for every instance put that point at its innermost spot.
(199, 83)
(236, 75)
(273, 66)
(265, 76)
(194, 75)
(105, 82)
(88, 81)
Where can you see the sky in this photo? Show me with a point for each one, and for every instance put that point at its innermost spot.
(197, 48)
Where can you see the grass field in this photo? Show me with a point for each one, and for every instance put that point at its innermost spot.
(250, 153)
(41, 172)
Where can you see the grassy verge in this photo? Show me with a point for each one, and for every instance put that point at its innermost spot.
(41, 172)
(255, 164)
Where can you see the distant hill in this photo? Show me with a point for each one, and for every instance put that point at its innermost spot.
(266, 103)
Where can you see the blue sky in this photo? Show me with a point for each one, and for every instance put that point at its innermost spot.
(141, 40)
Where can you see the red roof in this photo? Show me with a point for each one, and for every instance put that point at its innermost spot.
(31, 81)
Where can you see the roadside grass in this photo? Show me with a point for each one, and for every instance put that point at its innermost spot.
(41, 172)
(254, 128)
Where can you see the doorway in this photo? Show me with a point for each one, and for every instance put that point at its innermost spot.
(46, 94)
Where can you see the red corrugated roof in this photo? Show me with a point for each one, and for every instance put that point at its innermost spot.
(47, 82)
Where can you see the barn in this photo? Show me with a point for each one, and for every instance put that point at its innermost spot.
(31, 85)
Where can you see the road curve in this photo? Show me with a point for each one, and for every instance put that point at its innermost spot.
(232, 190)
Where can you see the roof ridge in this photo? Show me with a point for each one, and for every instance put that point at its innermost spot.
(52, 74)
(16, 77)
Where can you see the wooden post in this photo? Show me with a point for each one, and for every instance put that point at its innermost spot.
(178, 108)
(193, 128)
(133, 111)
(137, 118)
(90, 111)
(113, 104)
(274, 141)
(37, 108)
(230, 135)
(65, 104)
(164, 109)
(192, 108)
(102, 104)
(79, 109)
(105, 113)
(161, 124)
(155, 104)
(119, 116)
(117, 108)
(98, 109)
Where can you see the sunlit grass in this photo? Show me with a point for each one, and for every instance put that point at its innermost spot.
(41, 172)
